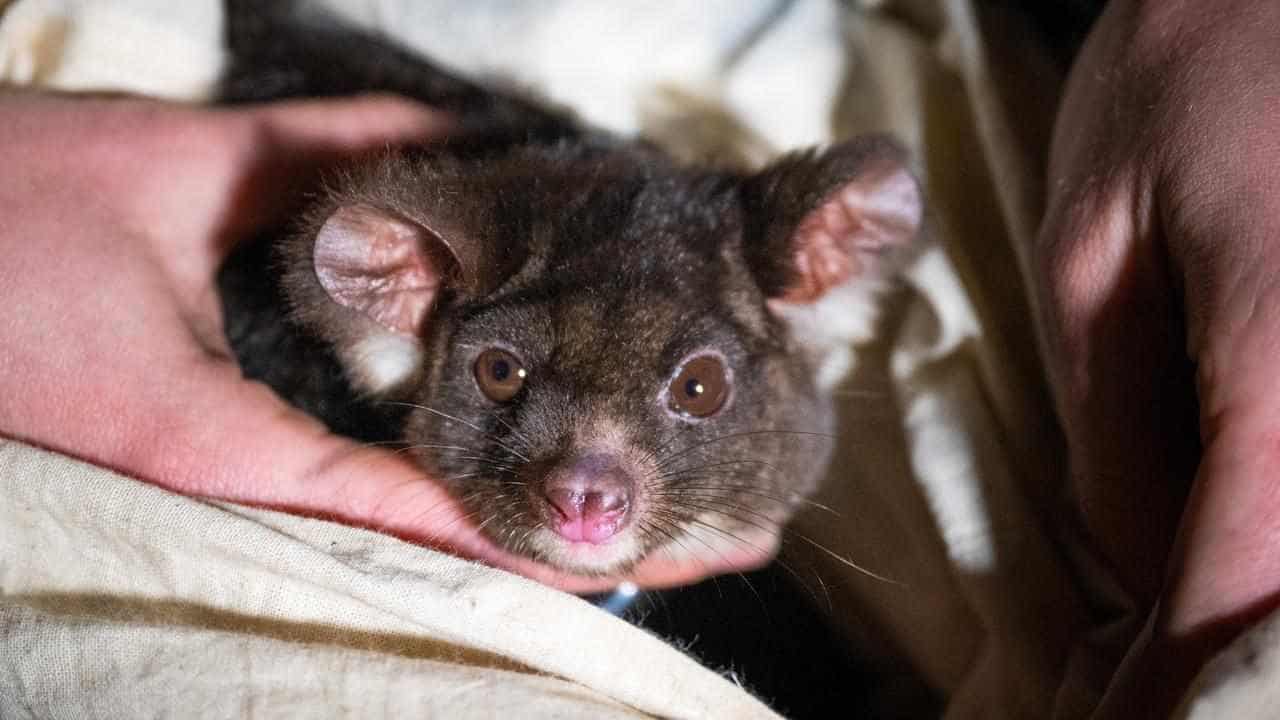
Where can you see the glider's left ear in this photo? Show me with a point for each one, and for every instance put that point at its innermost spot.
(818, 220)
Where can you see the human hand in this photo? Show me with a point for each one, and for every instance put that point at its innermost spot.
(1159, 292)
(114, 217)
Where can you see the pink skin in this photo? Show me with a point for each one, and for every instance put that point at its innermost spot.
(583, 519)
(1159, 244)
(589, 498)
(114, 215)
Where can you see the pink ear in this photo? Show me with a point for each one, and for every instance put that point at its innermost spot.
(380, 265)
(844, 235)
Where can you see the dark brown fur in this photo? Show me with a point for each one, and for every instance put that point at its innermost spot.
(602, 265)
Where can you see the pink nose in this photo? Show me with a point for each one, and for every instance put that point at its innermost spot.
(589, 498)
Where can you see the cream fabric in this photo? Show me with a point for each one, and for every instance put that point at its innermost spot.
(118, 599)
(79, 45)
(948, 478)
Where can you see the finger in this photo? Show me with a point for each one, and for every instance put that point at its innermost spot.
(1111, 332)
(348, 125)
(1113, 346)
(1228, 554)
(1224, 569)
(285, 145)
(1220, 208)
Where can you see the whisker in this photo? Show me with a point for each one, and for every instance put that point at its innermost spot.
(678, 491)
(379, 443)
(868, 394)
(429, 446)
(465, 498)
(719, 509)
(724, 463)
(688, 553)
(524, 440)
(438, 535)
(488, 520)
(744, 579)
(731, 436)
(722, 505)
(846, 561)
(666, 440)
(447, 416)
(781, 563)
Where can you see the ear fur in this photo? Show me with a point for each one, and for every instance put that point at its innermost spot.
(369, 266)
(817, 221)
(821, 233)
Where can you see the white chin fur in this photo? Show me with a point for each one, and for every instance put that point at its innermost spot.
(383, 361)
(585, 557)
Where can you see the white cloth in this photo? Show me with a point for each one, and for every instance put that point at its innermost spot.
(121, 600)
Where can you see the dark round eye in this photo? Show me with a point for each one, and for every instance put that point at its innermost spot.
(700, 388)
(499, 374)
